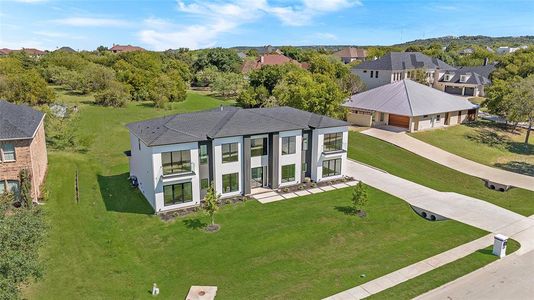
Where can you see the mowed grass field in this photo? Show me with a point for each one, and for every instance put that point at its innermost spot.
(413, 167)
(110, 246)
(486, 143)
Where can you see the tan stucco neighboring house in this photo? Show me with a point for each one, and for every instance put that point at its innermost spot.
(464, 81)
(350, 54)
(409, 105)
(22, 146)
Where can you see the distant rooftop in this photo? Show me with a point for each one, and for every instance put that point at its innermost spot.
(125, 48)
(227, 121)
(351, 52)
(18, 121)
(404, 61)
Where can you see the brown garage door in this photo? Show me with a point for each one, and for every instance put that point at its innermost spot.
(399, 121)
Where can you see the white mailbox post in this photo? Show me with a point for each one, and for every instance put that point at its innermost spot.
(499, 245)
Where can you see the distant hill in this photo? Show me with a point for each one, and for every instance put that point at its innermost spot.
(465, 40)
(469, 40)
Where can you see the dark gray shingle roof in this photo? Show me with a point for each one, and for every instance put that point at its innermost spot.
(18, 121)
(404, 61)
(226, 122)
(477, 75)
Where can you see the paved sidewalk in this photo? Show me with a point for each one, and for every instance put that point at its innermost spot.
(451, 160)
(387, 281)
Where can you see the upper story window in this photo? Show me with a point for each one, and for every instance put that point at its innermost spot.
(376, 74)
(203, 154)
(176, 162)
(372, 73)
(7, 152)
(333, 141)
(288, 145)
(305, 141)
(258, 147)
(229, 152)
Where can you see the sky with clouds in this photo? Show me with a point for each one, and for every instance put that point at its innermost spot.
(164, 24)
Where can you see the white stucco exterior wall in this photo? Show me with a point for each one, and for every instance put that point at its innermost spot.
(159, 181)
(141, 167)
(227, 168)
(318, 156)
(384, 77)
(289, 159)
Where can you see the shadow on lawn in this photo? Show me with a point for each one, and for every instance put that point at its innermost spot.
(520, 167)
(119, 195)
(345, 209)
(194, 223)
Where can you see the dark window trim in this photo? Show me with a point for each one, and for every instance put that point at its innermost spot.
(231, 181)
(332, 165)
(178, 165)
(230, 155)
(333, 142)
(255, 152)
(182, 199)
(291, 177)
(289, 145)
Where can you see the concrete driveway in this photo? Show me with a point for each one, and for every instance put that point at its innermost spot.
(455, 206)
(508, 278)
(451, 160)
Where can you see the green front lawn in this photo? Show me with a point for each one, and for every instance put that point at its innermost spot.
(413, 167)
(109, 246)
(442, 275)
(485, 142)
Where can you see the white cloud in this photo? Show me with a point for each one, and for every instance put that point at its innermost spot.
(326, 36)
(55, 34)
(30, 1)
(214, 17)
(92, 22)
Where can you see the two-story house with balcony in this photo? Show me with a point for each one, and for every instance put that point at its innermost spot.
(396, 66)
(176, 158)
(22, 146)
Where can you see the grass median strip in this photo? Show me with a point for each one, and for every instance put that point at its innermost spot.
(442, 275)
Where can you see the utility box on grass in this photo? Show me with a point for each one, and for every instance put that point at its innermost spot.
(499, 245)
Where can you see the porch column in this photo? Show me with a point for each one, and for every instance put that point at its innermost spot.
(246, 165)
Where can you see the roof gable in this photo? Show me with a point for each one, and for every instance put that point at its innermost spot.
(404, 61)
(18, 121)
(408, 98)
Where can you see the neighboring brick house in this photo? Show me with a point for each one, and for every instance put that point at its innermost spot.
(126, 48)
(22, 146)
(267, 60)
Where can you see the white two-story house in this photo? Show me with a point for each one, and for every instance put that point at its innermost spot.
(176, 158)
(397, 66)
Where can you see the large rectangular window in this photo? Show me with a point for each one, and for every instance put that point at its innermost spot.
(288, 173)
(332, 167)
(177, 193)
(333, 142)
(288, 145)
(230, 182)
(203, 154)
(258, 147)
(8, 152)
(176, 162)
(229, 152)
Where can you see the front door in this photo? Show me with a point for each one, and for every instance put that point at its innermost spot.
(256, 177)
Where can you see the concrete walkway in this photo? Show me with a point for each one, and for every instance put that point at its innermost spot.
(392, 279)
(465, 209)
(267, 195)
(451, 160)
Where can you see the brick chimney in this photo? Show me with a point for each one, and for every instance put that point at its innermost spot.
(435, 81)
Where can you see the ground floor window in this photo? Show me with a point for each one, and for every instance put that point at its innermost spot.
(288, 173)
(9, 186)
(177, 193)
(230, 182)
(332, 167)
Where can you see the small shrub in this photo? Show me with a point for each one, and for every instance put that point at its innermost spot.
(307, 179)
(285, 190)
(313, 184)
(359, 197)
(300, 187)
(228, 201)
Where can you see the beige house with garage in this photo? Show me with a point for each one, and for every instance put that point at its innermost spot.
(409, 105)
